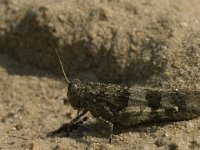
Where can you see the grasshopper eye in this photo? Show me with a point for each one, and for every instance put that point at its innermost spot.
(73, 95)
(74, 87)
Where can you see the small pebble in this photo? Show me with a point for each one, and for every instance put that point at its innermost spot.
(34, 147)
(19, 126)
(165, 135)
(173, 146)
(159, 142)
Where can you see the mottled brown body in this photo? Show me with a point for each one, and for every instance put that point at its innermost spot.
(131, 106)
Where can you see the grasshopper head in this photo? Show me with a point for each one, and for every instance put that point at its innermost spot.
(74, 93)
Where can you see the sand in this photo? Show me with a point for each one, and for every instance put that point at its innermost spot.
(136, 43)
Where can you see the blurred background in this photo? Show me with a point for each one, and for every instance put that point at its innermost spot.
(135, 43)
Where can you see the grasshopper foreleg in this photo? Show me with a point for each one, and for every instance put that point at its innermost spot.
(75, 120)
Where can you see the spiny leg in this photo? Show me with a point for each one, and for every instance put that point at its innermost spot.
(73, 124)
(78, 112)
(110, 129)
(73, 121)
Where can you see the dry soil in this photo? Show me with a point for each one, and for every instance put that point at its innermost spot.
(147, 43)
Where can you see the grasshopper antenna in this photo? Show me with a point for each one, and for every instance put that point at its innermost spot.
(62, 68)
(53, 77)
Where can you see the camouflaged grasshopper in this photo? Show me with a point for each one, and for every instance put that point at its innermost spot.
(117, 105)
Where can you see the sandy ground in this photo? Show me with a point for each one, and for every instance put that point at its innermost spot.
(149, 42)
(32, 106)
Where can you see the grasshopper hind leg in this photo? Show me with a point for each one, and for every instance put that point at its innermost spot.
(110, 128)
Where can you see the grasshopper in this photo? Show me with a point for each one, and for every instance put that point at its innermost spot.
(118, 105)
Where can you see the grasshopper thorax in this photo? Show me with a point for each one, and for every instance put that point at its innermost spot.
(74, 93)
